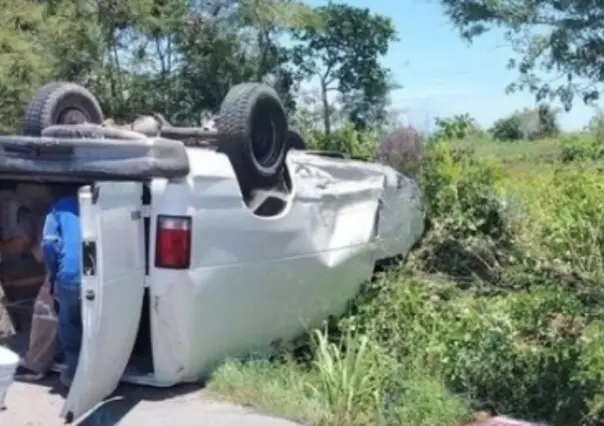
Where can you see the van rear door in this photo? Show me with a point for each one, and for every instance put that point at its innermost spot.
(113, 276)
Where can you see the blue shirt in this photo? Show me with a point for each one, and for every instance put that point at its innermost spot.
(62, 241)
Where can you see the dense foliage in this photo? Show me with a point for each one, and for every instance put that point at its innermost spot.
(537, 123)
(457, 127)
(498, 311)
(179, 57)
(563, 38)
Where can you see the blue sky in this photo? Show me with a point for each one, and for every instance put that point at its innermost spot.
(442, 75)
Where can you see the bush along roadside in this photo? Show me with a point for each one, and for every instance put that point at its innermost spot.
(499, 312)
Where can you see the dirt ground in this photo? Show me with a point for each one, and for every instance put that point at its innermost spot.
(40, 404)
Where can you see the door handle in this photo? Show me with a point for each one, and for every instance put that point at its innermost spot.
(90, 296)
(89, 258)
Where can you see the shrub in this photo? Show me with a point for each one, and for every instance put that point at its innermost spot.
(469, 236)
(581, 149)
(508, 129)
(596, 126)
(457, 127)
(499, 309)
(523, 354)
(566, 221)
(345, 139)
(548, 122)
(461, 192)
(402, 149)
(538, 123)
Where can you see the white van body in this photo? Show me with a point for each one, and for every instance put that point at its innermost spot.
(252, 280)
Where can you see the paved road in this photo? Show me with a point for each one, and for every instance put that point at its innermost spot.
(40, 404)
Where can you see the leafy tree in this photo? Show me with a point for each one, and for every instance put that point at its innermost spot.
(212, 61)
(457, 127)
(548, 121)
(561, 37)
(596, 126)
(263, 23)
(24, 63)
(180, 57)
(508, 129)
(342, 48)
(537, 123)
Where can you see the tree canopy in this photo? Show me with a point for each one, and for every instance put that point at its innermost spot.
(560, 43)
(180, 57)
(341, 48)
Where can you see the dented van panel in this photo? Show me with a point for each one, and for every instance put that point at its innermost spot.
(257, 280)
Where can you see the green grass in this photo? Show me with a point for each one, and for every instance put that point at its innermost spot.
(343, 388)
(542, 149)
(499, 309)
(282, 389)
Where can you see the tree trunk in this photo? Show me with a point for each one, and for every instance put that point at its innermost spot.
(326, 112)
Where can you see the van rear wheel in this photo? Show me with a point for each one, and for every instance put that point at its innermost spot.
(60, 103)
(252, 124)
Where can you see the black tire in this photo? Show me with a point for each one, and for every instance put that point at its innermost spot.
(60, 103)
(252, 124)
(295, 140)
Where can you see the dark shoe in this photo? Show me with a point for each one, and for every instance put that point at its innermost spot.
(27, 375)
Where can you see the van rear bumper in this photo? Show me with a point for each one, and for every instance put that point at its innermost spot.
(90, 159)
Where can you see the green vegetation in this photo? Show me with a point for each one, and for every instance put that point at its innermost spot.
(499, 309)
(180, 57)
(559, 44)
(537, 123)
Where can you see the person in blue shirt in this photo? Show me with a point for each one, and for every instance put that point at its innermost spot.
(61, 245)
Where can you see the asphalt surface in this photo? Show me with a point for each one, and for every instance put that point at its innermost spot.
(40, 404)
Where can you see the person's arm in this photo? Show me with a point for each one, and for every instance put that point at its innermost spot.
(69, 221)
(50, 235)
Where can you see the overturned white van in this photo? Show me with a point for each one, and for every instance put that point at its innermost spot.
(199, 244)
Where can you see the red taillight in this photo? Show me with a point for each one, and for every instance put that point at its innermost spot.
(173, 242)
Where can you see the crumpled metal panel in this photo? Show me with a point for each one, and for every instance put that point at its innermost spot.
(256, 280)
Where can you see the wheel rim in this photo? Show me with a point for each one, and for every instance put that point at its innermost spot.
(73, 116)
(264, 145)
